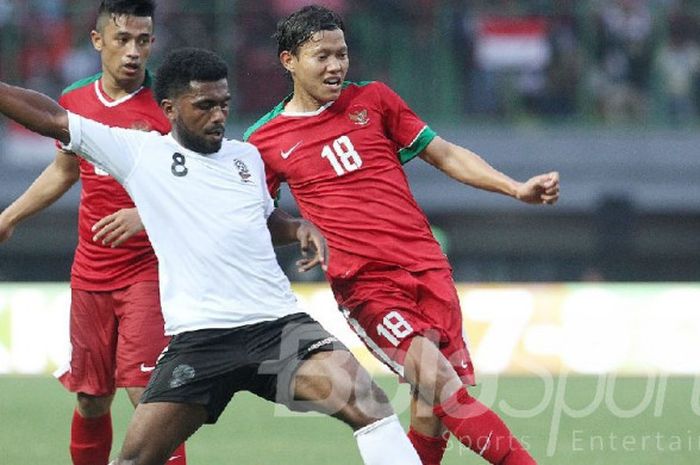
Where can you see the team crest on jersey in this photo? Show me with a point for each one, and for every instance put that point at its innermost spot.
(359, 116)
(243, 170)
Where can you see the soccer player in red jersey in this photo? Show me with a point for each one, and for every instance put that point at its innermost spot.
(340, 147)
(116, 325)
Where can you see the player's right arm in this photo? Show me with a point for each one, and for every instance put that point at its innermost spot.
(112, 149)
(35, 111)
(51, 184)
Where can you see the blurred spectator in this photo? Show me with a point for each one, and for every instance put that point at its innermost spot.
(624, 59)
(446, 57)
(284, 8)
(678, 65)
(257, 73)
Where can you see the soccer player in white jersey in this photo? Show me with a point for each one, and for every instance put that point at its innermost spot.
(234, 322)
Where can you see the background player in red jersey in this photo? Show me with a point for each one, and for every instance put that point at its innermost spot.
(116, 325)
(340, 147)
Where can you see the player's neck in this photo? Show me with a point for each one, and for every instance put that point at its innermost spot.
(303, 103)
(117, 89)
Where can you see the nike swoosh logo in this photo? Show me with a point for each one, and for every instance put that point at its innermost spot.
(464, 364)
(146, 369)
(174, 457)
(286, 154)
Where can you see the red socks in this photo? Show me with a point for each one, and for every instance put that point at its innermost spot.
(430, 449)
(480, 429)
(90, 439)
(178, 457)
(91, 442)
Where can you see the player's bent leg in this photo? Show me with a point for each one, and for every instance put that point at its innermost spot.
(427, 433)
(156, 430)
(91, 430)
(472, 423)
(334, 383)
(89, 406)
(179, 455)
(135, 394)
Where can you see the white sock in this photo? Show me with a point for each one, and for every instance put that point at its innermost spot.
(384, 442)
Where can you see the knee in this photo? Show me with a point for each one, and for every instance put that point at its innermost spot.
(367, 405)
(372, 399)
(429, 371)
(93, 406)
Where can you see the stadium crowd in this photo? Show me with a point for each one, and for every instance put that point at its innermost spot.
(617, 61)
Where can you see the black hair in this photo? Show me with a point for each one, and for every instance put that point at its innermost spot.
(298, 27)
(185, 65)
(111, 8)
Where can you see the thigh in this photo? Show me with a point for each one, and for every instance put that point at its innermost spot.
(203, 368)
(279, 348)
(141, 333)
(439, 303)
(334, 383)
(157, 429)
(382, 309)
(93, 338)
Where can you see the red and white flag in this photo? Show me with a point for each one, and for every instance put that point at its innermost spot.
(512, 43)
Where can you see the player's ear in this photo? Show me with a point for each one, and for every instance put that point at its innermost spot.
(287, 60)
(168, 108)
(97, 41)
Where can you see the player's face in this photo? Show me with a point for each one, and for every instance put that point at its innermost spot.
(124, 43)
(198, 116)
(318, 68)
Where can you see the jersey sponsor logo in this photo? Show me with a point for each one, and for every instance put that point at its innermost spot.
(359, 116)
(288, 153)
(243, 170)
(146, 369)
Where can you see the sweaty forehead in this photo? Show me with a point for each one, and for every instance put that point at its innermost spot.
(334, 39)
(216, 90)
(119, 23)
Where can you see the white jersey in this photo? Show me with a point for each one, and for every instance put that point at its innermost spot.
(206, 217)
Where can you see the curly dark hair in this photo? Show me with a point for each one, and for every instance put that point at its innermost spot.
(111, 8)
(298, 27)
(185, 65)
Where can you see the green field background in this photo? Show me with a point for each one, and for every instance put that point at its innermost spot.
(663, 424)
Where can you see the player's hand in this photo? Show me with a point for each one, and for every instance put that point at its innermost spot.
(117, 228)
(6, 229)
(541, 189)
(312, 242)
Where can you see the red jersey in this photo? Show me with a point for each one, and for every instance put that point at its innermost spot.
(97, 267)
(343, 164)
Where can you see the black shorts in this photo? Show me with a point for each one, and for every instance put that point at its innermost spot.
(209, 366)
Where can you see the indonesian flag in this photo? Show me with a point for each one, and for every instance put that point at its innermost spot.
(512, 43)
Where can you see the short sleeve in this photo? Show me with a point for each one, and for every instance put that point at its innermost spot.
(268, 203)
(115, 150)
(410, 133)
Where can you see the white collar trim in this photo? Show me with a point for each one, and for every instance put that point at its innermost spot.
(113, 103)
(308, 113)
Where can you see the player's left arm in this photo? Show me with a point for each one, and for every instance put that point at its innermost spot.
(286, 229)
(469, 168)
(117, 228)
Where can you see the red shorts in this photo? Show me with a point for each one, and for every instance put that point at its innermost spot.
(388, 308)
(116, 337)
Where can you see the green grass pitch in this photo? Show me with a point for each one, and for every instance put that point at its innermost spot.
(568, 421)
